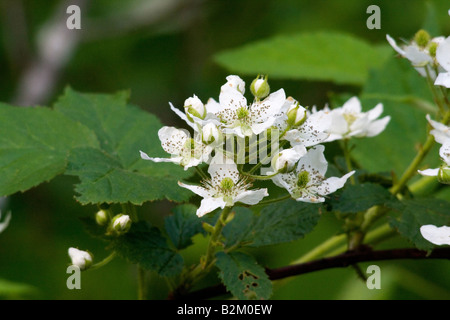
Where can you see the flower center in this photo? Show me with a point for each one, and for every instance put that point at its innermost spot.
(242, 113)
(350, 118)
(303, 179)
(227, 184)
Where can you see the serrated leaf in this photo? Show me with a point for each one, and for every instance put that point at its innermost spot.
(356, 198)
(146, 246)
(418, 212)
(34, 146)
(115, 173)
(277, 223)
(243, 277)
(324, 56)
(183, 225)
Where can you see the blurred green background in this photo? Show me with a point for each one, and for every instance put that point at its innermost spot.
(162, 50)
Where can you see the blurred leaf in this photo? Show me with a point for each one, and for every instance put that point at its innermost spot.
(15, 290)
(324, 56)
(277, 223)
(395, 147)
(416, 213)
(146, 246)
(183, 225)
(34, 146)
(115, 173)
(360, 197)
(243, 277)
(431, 23)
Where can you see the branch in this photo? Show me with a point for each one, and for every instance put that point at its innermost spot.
(340, 261)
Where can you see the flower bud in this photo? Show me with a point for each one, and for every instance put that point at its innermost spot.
(121, 223)
(296, 115)
(444, 175)
(286, 160)
(194, 107)
(422, 38)
(81, 259)
(236, 82)
(432, 49)
(260, 87)
(101, 217)
(210, 133)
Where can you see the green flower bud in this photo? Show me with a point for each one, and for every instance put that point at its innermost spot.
(296, 115)
(444, 175)
(101, 217)
(422, 38)
(210, 133)
(194, 107)
(432, 49)
(121, 223)
(81, 259)
(260, 87)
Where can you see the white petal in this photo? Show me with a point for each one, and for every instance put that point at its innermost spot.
(436, 235)
(375, 112)
(251, 197)
(444, 152)
(5, 223)
(417, 56)
(212, 106)
(330, 185)
(231, 99)
(440, 131)
(202, 192)
(208, 205)
(376, 127)
(314, 160)
(443, 54)
(394, 45)
(172, 139)
(353, 105)
(172, 159)
(222, 167)
(182, 115)
(429, 172)
(443, 79)
(268, 108)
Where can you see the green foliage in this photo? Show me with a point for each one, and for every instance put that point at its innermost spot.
(404, 95)
(183, 225)
(242, 276)
(277, 223)
(414, 213)
(326, 56)
(34, 146)
(360, 197)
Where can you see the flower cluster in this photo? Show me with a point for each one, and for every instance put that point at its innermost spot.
(429, 56)
(229, 132)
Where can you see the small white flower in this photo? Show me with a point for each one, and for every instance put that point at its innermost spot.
(238, 118)
(5, 223)
(349, 121)
(286, 160)
(441, 135)
(443, 58)
(436, 235)
(81, 259)
(307, 182)
(419, 56)
(225, 188)
(185, 151)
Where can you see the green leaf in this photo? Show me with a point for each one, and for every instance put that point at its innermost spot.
(416, 213)
(243, 277)
(146, 246)
(183, 225)
(115, 173)
(34, 146)
(360, 197)
(394, 148)
(324, 56)
(277, 223)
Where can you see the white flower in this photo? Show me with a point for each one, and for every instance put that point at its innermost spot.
(441, 134)
(307, 182)
(225, 188)
(436, 235)
(81, 259)
(238, 118)
(349, 121)
(443, 58)
(286, 160)
(5, 223)
(185, 151)
(194, 107)
(419, 56)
